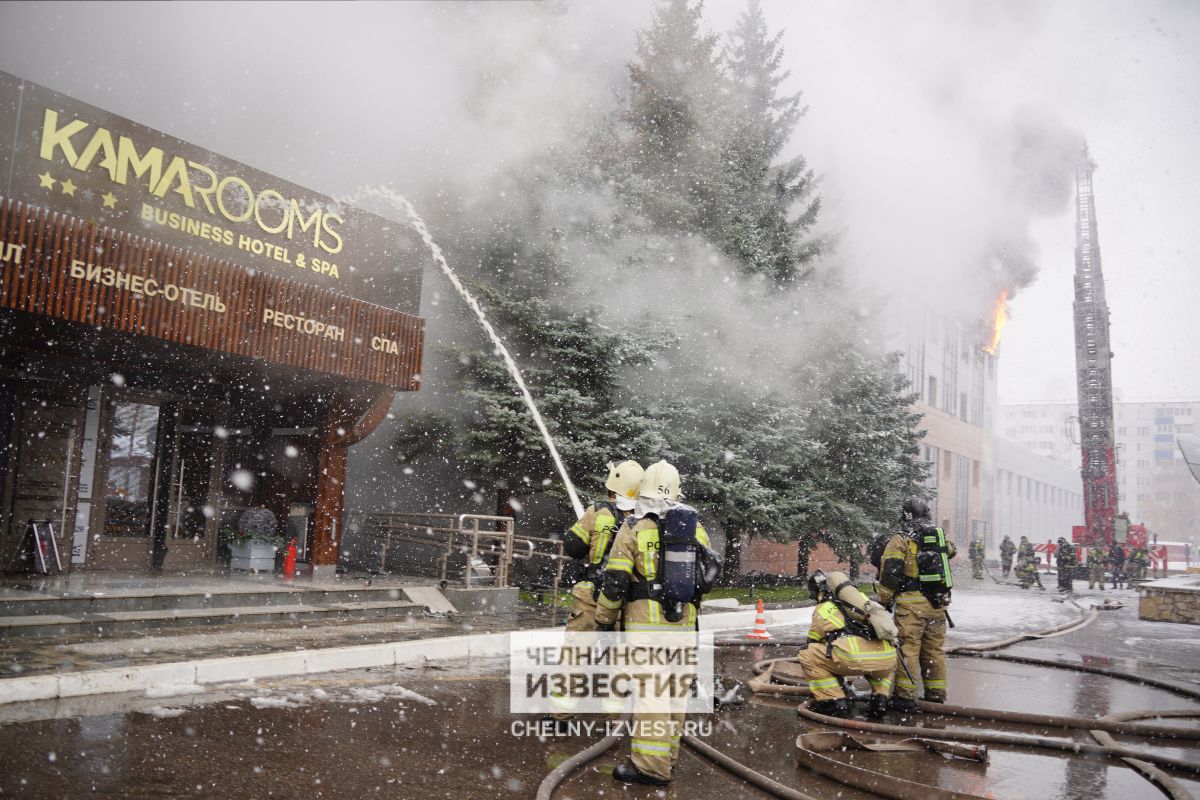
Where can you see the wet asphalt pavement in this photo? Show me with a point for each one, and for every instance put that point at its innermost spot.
(432, 733)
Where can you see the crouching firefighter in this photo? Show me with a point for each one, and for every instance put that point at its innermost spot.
(915, 579)
(850, 635)
(589, 541)
(659, 568)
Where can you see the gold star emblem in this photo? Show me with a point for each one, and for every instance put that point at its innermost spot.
(110, 201)
(68, 187)
(47, 181)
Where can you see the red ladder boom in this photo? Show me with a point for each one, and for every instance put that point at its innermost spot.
(1093, 367)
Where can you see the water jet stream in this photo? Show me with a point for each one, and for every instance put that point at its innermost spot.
(400, 203)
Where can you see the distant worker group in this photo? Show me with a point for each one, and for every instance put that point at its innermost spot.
(1126, 566)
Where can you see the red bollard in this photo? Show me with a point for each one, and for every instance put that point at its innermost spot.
(289, 561)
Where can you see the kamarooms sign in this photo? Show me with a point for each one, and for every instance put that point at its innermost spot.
(59, 153)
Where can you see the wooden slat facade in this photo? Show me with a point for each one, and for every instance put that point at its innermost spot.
(42, 275)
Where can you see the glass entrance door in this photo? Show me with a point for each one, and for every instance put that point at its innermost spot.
(161, 464)
(126, 517)
(194, 455)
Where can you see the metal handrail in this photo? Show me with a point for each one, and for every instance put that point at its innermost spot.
(557, 554)
(465, 534)
(451, 533)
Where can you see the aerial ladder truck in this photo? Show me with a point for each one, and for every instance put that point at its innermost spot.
(1102, 525)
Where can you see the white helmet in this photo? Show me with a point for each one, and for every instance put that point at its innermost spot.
(624, 479)
(660, 481)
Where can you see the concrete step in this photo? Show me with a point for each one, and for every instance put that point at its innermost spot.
(123, 622)
(378, 608)
(78, 605)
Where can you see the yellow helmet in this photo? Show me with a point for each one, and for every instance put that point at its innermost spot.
(660, 481)
(624, 478)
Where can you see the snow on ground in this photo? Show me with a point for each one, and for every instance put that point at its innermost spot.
(405, 694)
(981, 616)
(173, 689)
(165, 712)
(1193, 643)
(263, 697)
(287, 701)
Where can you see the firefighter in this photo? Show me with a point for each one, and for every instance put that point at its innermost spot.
(1139, 560)
(1065, 554)
(918, 594)
(589, 541)
(632, 564)
(1095, 564)
(1027, 572)
(1116, 561)
(1007, 549)
(1025, 548)
(975, 554)
(590, 538)
(843, 643)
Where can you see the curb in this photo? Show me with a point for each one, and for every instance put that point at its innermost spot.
(139, 678)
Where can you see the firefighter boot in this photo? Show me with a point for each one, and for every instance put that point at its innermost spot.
(831, 708)
(628, 773)
(905, 705)
(877, 706)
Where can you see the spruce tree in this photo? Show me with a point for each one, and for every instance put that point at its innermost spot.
(739, 456)
(574, 369)
(768, 204)
(696, 151)
(664, 167)
(860, 412)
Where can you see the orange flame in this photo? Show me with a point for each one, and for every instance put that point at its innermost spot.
(999, 320)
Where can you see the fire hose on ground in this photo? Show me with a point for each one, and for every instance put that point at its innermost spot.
(559, 774)
(1145, 763)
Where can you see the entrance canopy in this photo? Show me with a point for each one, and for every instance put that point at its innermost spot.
(182, 338)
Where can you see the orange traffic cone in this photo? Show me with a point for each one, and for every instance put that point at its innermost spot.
(760, 624)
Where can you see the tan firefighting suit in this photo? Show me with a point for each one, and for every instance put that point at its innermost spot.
(588, 539)
(1138, 561)
(976, 555)
(654, 746)
(830, 654)
(1007, 549)
(922, 627)
(1096, 560)
(594, 531)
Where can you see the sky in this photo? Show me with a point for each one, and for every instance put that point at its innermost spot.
(941, 131)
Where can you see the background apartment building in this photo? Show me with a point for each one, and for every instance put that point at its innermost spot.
(1154, 485)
